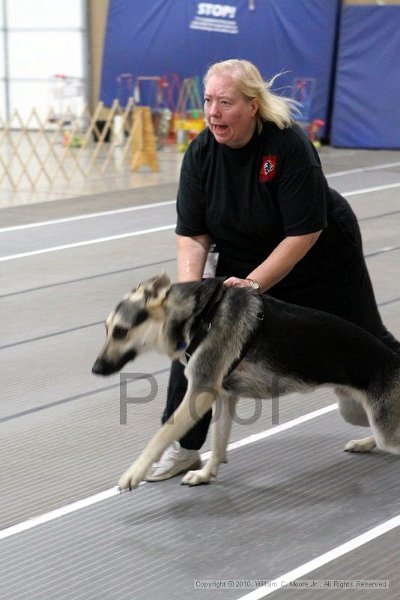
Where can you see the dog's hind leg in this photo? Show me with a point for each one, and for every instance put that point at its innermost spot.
(382, 408)
(352, 411)
(351, 408)
(223, 411)
(363, 445)
(384, 415)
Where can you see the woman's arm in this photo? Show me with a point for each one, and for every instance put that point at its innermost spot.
(279, 263)
(191, 256)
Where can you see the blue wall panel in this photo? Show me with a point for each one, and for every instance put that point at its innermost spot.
(159, 37)
(366, 110)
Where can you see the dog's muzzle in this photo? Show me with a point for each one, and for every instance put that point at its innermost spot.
(102, 367)
(105, 367)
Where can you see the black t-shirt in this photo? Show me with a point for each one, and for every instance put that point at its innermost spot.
(249, 199)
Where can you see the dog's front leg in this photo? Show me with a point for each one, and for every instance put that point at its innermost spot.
(192, 409)
(223, 411)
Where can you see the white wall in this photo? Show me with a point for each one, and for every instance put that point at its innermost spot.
(39, 39)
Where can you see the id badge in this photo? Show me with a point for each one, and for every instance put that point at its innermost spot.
(210, 267)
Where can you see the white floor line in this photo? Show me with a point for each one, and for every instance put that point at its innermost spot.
(57, 513)
(85, 502)
(104, 213)
(85, 243)
(153, 230)
(376, 188)
(283, 581)
(256, 437)
(117, 211)
(363, 169)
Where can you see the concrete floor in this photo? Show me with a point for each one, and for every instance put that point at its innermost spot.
(281, 509)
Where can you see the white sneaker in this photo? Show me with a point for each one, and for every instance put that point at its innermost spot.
(175, 460)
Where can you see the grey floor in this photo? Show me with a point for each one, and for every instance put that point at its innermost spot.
(284, 499)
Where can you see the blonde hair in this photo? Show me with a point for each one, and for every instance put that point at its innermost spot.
(249, 82)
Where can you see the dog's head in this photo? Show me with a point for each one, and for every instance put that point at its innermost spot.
(134, 325)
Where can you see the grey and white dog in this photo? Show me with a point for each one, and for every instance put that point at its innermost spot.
(241, 343)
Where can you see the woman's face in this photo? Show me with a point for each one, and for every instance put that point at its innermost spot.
(230, 116)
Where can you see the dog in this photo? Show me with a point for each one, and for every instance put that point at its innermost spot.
(236, 342)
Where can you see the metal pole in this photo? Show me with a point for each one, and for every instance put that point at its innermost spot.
(87, 66)
(6, 63)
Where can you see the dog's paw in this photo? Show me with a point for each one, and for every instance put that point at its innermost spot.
(199, 477)
(132, 477)
(128, 481)
(364, 445)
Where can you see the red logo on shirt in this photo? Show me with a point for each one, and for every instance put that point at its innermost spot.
(268, 169)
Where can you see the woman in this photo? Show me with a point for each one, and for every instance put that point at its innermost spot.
(252, 183)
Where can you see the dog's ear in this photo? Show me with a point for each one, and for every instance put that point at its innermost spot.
(162, 283)
(157, 288)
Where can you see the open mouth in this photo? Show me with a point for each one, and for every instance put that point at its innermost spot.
(219, 129)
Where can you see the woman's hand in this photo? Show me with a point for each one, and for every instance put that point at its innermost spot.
(236, 282)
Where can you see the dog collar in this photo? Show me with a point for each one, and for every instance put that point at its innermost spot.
(204, 322)
(181, 345)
